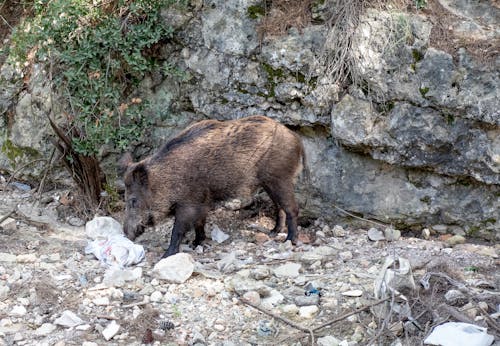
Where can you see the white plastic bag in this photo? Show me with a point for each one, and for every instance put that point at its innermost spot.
(116, 250)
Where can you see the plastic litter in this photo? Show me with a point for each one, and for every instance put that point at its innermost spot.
(116, 250)
(217, 234)
(459, 334)
(109, 245)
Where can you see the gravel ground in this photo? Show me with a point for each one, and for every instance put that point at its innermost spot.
(52, 293)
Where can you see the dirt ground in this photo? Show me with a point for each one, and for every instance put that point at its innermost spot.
(318, 291)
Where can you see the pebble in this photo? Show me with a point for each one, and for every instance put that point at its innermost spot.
(338, 231)
(101, 301)
(7, 257)
(391, 234)
(252, 297)
(426, 233)
(288, 270)
(176, 268)
(111, 330)
(353, 293)
(345, 256)
(375, 235)
(290, 309)
(308, 311)
(156, 297)
(455, 240)
(328, 341)
(275, 298)
(440, 228)
(18, 311)
(304, 300)
(45, 329)
(68, 319)
(27, 258)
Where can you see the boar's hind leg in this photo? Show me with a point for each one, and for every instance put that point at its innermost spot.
(282, 195)
(185, 218)
(199, 229)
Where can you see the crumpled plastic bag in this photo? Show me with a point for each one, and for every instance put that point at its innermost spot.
(116, 250)
(459, 334)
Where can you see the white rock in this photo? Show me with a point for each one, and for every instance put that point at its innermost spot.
(4, 292)
(375, 235)
(290, 309)
(18, 311)
(89, 343)
(156, 296)
(111, 329)
(274, 299)
(102, 227)
(101, 301)
(8, 224)
(338, 231)
(391, 234)
(7, 257)
(353, 293)
(68, 319)
(176, 268)
(308, 311)
(290, 270)
(27, 258)
(84, 327)
(253, 297)
(328, 341)
(45, 329)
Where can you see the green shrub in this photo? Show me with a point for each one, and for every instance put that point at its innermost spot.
(97, 54)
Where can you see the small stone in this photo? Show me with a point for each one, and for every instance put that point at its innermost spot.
(440, 228)
(455, 297)
(4, 292)
(27, 258)
(156, 297)
(290, 309)
(313, 299)
(260, 273)
(308, 311)
(7, 257)
(45, 329)
(8, 224)
(455, 240)
(353, 293)
(345, 256)
(18, 311)
(219, 327)
(68, 319)
(89, 343)
(328, 341)
(375, 235)
(76, 221)
(426, 233)
(176, 268)
(304, 238)
(274, 299)
(252, 297)
(101, 301)
(391, 234)
(288, 270)
(338, 231)
(261, 238)
(111, 330)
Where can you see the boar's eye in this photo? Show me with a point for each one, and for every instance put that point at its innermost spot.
(132, 202)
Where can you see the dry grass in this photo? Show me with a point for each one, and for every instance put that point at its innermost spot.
(282, 15)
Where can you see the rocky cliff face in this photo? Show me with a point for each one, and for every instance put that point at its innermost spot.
(415, 141)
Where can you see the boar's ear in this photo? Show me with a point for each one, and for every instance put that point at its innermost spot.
(124, 162)
(140, 175)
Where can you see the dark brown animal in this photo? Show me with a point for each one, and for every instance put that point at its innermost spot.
(213, 161)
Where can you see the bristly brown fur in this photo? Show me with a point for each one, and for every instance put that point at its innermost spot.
(212, 161)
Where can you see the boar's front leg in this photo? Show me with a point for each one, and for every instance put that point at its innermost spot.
(186, 216)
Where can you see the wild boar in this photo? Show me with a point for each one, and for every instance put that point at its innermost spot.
(213, 161)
